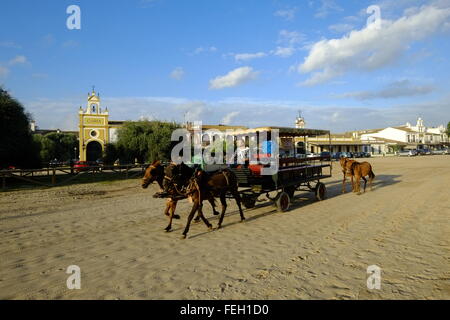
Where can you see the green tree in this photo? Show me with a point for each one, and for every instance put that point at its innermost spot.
(111, 154)
(17, 147)
(56, 145)
(145, 141)
(448, 129)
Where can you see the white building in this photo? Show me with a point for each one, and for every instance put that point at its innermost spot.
(406, 136)
(384, 140)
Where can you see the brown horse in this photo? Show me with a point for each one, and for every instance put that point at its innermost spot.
(206, 187)
(175, 181)
(361, 170)
(346, 165)
(155, 172)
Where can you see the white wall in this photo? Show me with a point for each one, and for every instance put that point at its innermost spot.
(112, 135)
(388, 133)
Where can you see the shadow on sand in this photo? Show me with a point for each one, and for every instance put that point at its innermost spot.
(301, 199)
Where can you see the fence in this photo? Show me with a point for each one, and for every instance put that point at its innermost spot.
(52, 177)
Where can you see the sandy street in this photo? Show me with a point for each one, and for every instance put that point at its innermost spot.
(317, 250)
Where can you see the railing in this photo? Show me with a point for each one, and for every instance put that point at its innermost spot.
(52, 177)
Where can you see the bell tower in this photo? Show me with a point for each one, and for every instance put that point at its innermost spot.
(300, 121)
(93, 128)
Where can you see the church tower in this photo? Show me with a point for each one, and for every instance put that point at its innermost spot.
(93, 128)
(300, 121)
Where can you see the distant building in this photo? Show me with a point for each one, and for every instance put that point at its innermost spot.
(384, 140)
(95, 129)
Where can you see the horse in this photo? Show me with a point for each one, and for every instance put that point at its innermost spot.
(207, 187)
(175, 181)
(346, 164)
(361, 170)
(156, 172)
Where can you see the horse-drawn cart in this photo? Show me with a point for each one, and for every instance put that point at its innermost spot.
(297, 170)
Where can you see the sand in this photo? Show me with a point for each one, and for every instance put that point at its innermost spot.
(317, 250)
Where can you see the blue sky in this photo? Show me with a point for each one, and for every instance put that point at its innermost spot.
(252, 62)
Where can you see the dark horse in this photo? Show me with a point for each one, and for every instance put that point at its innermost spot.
(204, 186)
(156, 172)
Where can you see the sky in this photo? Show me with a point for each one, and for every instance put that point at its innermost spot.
(252, 62)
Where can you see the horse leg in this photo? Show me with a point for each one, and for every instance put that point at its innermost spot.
(172, 204)
(224, 208)
(353, 184)
(358, 184)
(343, 184)
(168, 205)
(237, 197)
(371, 177)
(191, 215)
(200, 213)
(213, 205)
(365, 183)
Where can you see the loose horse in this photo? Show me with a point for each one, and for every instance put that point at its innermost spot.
(346, 164)
(206, 187)
(361, 170)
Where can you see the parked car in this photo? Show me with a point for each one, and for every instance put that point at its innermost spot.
(441, 151)
(423, 152)
(54, 163)
(312, 155)
(346, 155)
(359, 155)
(407, 153)
(366, 154)
(81, 166)
(325, 154)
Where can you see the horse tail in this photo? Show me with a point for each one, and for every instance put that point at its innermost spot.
(371, 174)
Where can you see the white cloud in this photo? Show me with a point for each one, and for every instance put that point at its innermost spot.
(249, 56)
(204, 49)
(327, 7)
(233, 78)
(9, 44)
(288, 40)
(370, 48)
(3, 71)
(62, 113)
(18, 60)
(290, 37)
(341, 27)
(284, 52)
(229, 117)
(287, 14)
(397, 89)
(177, 73)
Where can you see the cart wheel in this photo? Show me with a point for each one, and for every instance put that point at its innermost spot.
(248, 202)
(283, 201)
(290, 191)
(321, 191)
